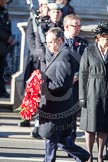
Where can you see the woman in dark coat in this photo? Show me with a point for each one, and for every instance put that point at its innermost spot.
(93, 90)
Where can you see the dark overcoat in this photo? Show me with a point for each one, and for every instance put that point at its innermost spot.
(93, 88)
(33, 60)
(56, 97)
(78, 46)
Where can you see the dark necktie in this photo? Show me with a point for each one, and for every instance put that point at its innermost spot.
(55, 25)
(70, 42)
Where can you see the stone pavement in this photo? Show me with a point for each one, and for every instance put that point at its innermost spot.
(9, 127)
(11, 133)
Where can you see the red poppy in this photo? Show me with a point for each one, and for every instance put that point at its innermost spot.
(76, 43)
(30, 102)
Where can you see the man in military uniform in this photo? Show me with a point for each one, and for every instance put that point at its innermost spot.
(77, 45)
(5, 42)
(55, 13)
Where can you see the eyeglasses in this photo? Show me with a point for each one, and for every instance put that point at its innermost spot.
(75, 26)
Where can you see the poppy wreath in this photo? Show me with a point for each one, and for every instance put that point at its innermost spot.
(31, 99)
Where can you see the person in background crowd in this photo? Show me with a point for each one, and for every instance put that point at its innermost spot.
(43, 8)
(30, 35)
(6, 41)
(93, 91)
(105, 157)
(77, 45)
(67, 9)
(33, 62)
(55, 14)
(56, 98)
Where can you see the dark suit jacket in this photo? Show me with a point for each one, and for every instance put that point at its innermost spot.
(78, 46)
(57, 94)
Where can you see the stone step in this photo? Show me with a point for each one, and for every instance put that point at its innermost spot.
(9, 127)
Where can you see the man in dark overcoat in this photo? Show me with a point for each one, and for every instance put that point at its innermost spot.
(72, 25)
(55, 116)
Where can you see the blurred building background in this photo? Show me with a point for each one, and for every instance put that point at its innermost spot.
(90, 11)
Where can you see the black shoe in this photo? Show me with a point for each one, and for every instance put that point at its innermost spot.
(24, 123)
(105, 157)
(35, 135)
(4, 95)
(69, 156)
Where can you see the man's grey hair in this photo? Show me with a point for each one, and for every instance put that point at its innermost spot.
(57, 32)
(69, 18)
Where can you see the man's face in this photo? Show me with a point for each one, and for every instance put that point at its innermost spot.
(73, 27)
(53, 44)
(55, 15)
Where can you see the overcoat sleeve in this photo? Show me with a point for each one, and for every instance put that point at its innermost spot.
(83, 76)
(30, 37)
(40, 49)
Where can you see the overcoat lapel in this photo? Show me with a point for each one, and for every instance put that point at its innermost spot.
(98, 55)
(54, 58)
(97, 52)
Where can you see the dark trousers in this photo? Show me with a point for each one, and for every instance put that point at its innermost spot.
(67, 145)
(74, 117)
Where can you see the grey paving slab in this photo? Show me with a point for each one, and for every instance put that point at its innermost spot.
(16, 145)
